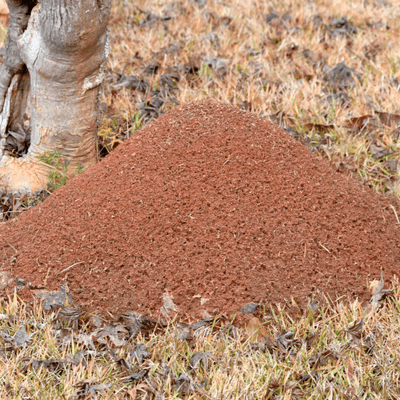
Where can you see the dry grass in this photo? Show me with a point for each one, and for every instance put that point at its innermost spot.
(278, 69)
(337, 352)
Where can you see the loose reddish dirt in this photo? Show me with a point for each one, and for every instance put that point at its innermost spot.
(215, 206)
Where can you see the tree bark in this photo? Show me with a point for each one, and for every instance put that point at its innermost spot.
(49, 86)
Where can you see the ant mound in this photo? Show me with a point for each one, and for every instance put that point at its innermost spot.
(209, 206)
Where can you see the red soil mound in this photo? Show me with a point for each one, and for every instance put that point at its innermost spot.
(216, 206)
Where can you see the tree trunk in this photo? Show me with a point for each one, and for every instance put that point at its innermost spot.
(49, 87)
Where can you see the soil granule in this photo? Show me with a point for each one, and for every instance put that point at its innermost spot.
(214, 206)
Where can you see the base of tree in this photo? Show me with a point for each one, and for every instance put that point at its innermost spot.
(49, 89)
(23, 175)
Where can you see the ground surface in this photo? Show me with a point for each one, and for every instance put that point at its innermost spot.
(214, 207)
(282, 61)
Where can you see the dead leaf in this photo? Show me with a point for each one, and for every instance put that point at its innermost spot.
(200, 3)
(149, 18)
(256, 330)
(87, 388)
(381, 154)
(320, 128)
(86, 340)
(131, 82)
(292, 132)
(281, 118)
(184, 332)
(139, 353)
(342, 77)
(372, 50)
(324, 358)
(250, 308)
(168, 305)
(308, 377)
(54, 299)
(152, 68)
(115, 334)
(96, 321)
(388, 119)
(52, 364)
(169, 80)
(355, 331)
(391, 165)
(357, 123)
(5, 279)
(164, 370)
(121, 362)
(285, 340)
(216, 64)
(136, 323)
(350, 368)
(69, 314)
(260, 346)
(203, 322)
(136, 376)
(339, 98)
(172, 48)
(78, 357)
(185, 385)
(278, 21)
(341, 27)
(379, 293)
(21, 337)
(313, 306)
(200, 358)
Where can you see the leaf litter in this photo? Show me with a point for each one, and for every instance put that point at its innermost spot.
(341, 26)
(21, 337)
(201, 359)
(342, 77)
(153, 365)
(88, 389)
(54, 299)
